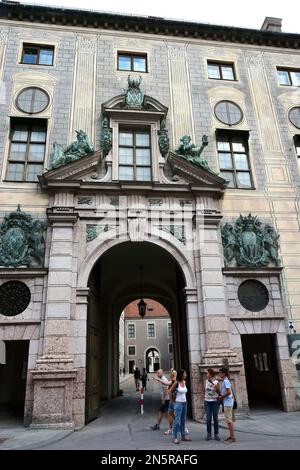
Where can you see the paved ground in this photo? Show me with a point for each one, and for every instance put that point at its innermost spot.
(122, 427)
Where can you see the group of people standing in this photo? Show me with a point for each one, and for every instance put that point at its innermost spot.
(140, 376)
(216, 393)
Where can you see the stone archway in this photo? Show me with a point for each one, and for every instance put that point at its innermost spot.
(113, 283)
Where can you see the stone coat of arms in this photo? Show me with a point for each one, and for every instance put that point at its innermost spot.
(249, 243)
(21, 240)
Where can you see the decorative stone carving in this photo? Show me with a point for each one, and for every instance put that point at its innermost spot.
(106, 137)
(21, 240)
(14, 298)
(76, 150)
(192, 152)
(155, 202)
(137, 229)
(93, 231)
(114, 201)
(178, 231)
(248, 243)
(134, 96)
(163, 139)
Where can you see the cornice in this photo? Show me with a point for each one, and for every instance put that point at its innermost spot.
(149, 25)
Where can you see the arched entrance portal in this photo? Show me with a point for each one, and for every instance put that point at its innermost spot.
(152, 360)
(114, 282)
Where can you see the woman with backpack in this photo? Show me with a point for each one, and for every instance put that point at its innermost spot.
(212, 404)
(180, 406)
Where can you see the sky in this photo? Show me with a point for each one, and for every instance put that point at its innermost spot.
(241, 13)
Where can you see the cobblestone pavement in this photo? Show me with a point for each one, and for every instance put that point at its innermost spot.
(122, 427)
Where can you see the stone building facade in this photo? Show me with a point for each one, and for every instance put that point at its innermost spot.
(148, 341)
(81, 212)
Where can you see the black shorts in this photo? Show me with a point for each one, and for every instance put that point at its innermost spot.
(164, 406)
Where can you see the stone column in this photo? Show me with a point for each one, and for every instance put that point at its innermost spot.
(54, 375)
(194, 348)
(218, 351)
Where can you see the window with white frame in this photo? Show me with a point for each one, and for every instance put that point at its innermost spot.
(169, 330)
(130, 330)
(135, 155)
(151, 330)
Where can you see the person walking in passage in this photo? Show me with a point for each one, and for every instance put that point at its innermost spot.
(144, 378)
(124, 371)
(212, 404)
(137, 376)
(164, 396)
(180, 407)
(227, 398)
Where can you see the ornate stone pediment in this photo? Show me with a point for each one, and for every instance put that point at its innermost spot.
(194, 174)
(78, 170)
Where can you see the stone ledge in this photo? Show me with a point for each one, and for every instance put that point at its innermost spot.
(22, 272)
(261, 317)
(255, 271)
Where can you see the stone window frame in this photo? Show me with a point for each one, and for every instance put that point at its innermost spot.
(131, 346)
(151, 323)
(135, 118)
(221, 64)
(288, 70)
(297, 146)
(132, 54)
(30, 123)
(231, 134)
(129, 324)
(38, 43)
(170, 344)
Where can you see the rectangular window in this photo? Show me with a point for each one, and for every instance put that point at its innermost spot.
(219, 71)
(37, 55)
(132, 62)
(288, 77)
(27, 150)
(151, 330)
(234, 161)
(130, 330)
(169, 330)
(131, 350)
(297, 146)
(170, 348)
(134, 155)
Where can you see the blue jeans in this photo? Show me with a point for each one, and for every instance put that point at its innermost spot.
(212, 410)
(180, 410)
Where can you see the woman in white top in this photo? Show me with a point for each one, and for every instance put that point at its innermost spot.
(212, 403)
(178, 393)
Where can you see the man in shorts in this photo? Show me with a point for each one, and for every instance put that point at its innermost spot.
(164, 397)
(227, 399)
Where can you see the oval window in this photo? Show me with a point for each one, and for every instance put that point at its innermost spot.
(14, 298)
(228, 112)
(253, 295)
(32, 100)
(294, 116)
